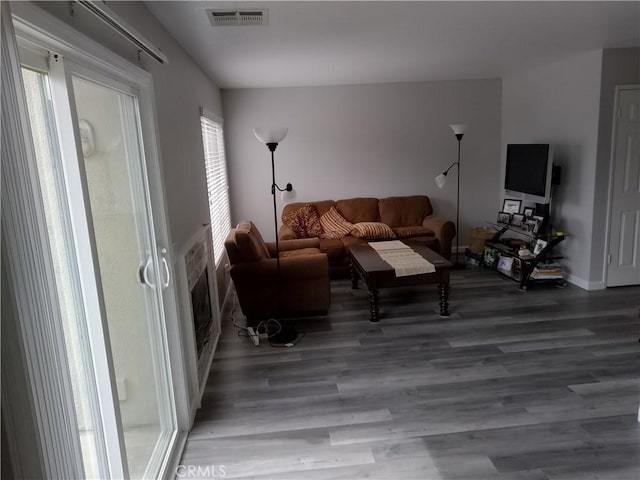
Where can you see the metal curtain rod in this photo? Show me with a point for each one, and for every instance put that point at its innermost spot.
(114, 21)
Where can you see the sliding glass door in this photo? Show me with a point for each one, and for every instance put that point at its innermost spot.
(131, 273)
(76, 341)
(111, 270)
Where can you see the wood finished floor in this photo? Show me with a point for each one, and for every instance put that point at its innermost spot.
(533, 385)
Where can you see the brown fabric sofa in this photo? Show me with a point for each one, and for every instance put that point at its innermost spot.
(301, 288)
(408, 217)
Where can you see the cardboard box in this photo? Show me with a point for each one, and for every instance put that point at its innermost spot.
(478, 236)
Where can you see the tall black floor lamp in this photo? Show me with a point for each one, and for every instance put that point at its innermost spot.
(459, 130)
(271, 137)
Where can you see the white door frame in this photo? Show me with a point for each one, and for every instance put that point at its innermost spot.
(41, 424)
(612, 151)
(75, 178)
(37, 26)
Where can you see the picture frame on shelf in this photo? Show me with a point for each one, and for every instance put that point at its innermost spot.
(539, 222)
(540, 244)
(490, 256)
(527, 212)
(511, 206)
(504, 217)
(516, 269)
(530, 225)
(517, 219)
(505, 263)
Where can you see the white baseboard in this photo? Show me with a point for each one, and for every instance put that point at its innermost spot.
(585, 284)
(462, 249)
(228, 296)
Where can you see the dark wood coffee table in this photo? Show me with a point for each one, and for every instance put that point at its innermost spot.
(376, 273)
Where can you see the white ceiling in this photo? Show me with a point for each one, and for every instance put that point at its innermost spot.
(351, 42)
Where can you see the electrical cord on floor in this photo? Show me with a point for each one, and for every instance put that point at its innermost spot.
(291, 343)
(271, 328)
(265, 328)
(242, 330)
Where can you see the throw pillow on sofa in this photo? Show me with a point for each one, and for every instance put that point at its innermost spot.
(304, 222)
(413, 231)
(334, 225)
(372, 230)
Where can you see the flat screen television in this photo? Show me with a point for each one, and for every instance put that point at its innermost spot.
(528, 170)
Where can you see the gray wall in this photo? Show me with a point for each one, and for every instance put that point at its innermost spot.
(620, 66)
(559, 104)
(181, 87)
(366, 140)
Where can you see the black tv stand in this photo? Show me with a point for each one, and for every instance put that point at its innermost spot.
(501, 254)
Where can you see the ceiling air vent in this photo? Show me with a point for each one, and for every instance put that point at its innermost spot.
(219, 18)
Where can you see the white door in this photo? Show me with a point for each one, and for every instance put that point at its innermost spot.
(131, 270)
(624, 237)
(110, 268)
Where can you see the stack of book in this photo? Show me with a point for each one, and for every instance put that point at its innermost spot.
(547, 270)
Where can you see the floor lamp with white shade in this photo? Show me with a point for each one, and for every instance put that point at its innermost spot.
(271, 137)
(459, 130)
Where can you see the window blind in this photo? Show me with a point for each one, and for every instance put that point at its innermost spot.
(217, 186)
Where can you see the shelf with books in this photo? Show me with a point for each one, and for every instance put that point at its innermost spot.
(504, 256)
(547, 271)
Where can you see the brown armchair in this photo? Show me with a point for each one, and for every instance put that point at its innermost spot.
(301, 288)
